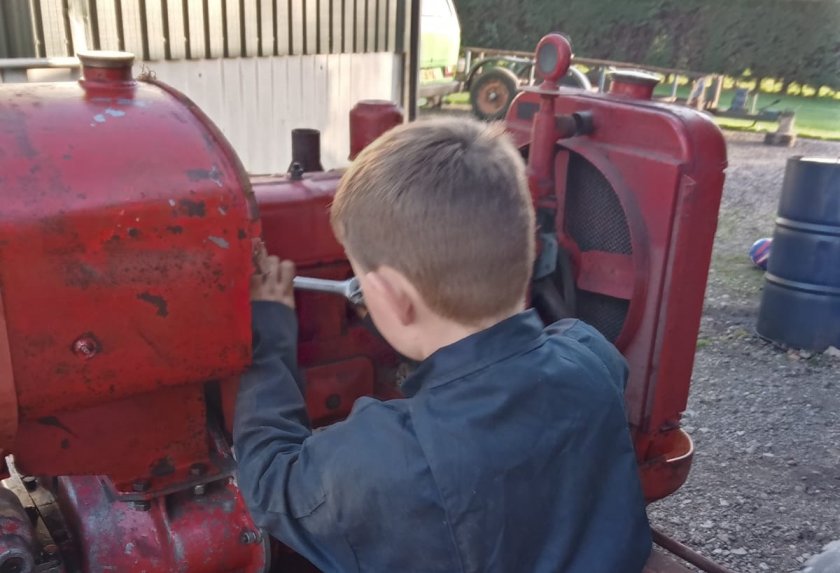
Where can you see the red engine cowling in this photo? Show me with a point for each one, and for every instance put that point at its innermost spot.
(125, 261)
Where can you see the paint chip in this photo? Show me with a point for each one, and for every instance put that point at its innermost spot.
(219, 242)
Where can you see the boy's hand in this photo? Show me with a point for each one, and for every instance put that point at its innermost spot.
(272, 278)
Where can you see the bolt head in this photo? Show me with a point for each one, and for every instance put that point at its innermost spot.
(86, 346)
(199, 490)
(249, 537)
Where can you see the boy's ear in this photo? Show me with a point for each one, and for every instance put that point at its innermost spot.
(395, 292)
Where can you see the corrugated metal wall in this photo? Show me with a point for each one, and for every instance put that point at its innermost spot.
(258, 68)
(256, 102)
(197, 29)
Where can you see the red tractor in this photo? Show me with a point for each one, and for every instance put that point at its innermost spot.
(125, 255)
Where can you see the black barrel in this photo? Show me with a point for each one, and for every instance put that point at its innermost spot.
(800, 306)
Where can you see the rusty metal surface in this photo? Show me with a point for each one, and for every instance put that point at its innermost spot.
(688, 554)
(8, 393)
(660, 563)
(17, 548)
(126, 217)
(199, 531)
(125, 242)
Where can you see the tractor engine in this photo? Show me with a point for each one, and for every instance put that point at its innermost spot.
(125, 257)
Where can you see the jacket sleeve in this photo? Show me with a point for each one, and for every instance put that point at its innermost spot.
(279, 469)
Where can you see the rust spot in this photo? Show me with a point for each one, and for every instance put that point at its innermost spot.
(175, 229)
(56, 423)
(158, 301)
(198, 174)
(213, 174)
(67, 157)
(65, 443)
(193, 208)
(133, 233)
(241, 234)
(81, 275)
(163, 467)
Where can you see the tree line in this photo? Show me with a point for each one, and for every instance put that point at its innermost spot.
(791, 40)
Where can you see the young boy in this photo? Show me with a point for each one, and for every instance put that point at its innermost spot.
(510, 451)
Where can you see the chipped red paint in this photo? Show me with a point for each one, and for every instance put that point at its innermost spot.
(204, 533)
(125, 241)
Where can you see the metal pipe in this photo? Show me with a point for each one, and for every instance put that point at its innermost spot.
(38, 63)
(686, 553)
(413, 59)
(306, 149)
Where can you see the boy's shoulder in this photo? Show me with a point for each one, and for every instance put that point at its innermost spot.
(586, 343)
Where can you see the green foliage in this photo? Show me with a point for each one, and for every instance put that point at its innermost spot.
(793, 40)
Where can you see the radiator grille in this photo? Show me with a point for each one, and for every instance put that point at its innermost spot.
(594, 217)
(596, 221)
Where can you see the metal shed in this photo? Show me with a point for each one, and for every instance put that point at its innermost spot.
(258, 68)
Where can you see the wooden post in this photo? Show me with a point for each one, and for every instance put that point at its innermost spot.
(717, 84)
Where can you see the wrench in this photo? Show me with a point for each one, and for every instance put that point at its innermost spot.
(349, 289)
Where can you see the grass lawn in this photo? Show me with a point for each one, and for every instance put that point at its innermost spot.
(817, 118)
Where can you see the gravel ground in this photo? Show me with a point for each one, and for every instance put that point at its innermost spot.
(764, 491)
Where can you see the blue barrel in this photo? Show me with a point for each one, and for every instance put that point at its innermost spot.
(800, 305)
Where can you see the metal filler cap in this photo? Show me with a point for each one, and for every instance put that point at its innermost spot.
(633, 83)
(103, 66)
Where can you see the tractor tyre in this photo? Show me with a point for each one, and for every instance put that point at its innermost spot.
(492, 92)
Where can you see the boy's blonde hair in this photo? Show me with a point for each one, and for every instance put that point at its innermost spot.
(446, 203)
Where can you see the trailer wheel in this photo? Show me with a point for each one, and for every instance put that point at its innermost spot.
(492, 92)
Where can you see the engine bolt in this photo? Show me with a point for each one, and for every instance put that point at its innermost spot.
(199, 489)
(249, 537)
(86, 346)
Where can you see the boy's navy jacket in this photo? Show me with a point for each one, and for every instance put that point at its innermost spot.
(509, 453)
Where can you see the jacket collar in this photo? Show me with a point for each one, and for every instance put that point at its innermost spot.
(502, 340)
